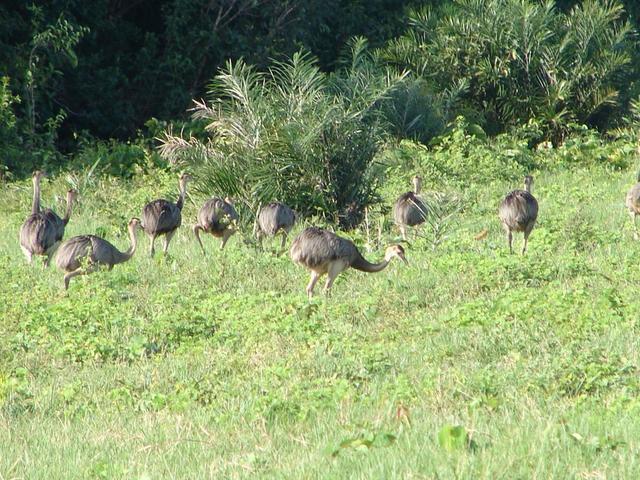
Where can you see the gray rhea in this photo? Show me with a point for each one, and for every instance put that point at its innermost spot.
(518, 212)
(633, 204)
(275, 218)
(42, 231)
(323, 252)
(409, 209)
(84, 254)
(217, 217)
(162, 217)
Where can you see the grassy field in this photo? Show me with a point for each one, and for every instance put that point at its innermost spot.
(219, 367)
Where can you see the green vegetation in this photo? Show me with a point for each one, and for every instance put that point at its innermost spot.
(296, 135)
(470, 362)
(467, 363)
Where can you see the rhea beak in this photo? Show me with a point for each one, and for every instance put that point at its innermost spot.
(403, 258)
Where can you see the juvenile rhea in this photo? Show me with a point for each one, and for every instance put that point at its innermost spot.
(43, 230)
(409, 209)
(217, 217)
(84, 254)
(162, 217)
(518, 212)
(633, 204)
(323, 252)
(275, 218)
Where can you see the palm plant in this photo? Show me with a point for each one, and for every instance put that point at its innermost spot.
(522, 59)
(292, 133)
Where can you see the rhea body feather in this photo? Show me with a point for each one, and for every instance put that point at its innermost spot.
(316, 249)
(83, 254)
(409, 210)
(518, 211)
(275, 217)
(633, 199)
(633, 204)
(162, 217)
(323, 252)
(89, 248)
(43, 229)
(216, 215)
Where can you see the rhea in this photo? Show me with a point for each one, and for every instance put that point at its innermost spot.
(84, 254)
(273, 219)
(217, 217)
(518, 212)
(409, 209)
(43, 230)
(633, 204)
(162, 217)
(323, 252)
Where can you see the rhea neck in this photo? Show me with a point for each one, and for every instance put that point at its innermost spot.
(183, 191)
(417, 186)
(528, 187)
(134, 243)
(364, 265)
(35, 207)
(67, 213)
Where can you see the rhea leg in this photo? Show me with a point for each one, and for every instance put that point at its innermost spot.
(527, 232)
(510, 240)
(225, 236)
(196, 231)
(403, 232)
(152, 241)
(634, 217)
(27, 254)
(80, 271)
(334, 270)
(70, 275)
(284, 241)
(312, 283)
(49, 254)
(167, 239)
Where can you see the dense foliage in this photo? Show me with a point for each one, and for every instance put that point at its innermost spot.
(513, 61)
(294, 134)
(103, 68)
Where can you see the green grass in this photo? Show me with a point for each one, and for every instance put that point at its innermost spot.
(218, 367)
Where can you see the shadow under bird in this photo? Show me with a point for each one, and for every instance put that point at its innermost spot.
(633, 204)
(410, 210)
(84, 254)
(518, 212)
(323, 252)
(162, 217)
(217, 217)
(274, 218)
(43, 230)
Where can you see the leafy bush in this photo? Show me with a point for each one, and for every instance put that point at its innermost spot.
(461, 156)
(116, 158)
(515, 60)
(9, 138)
(293, 134)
